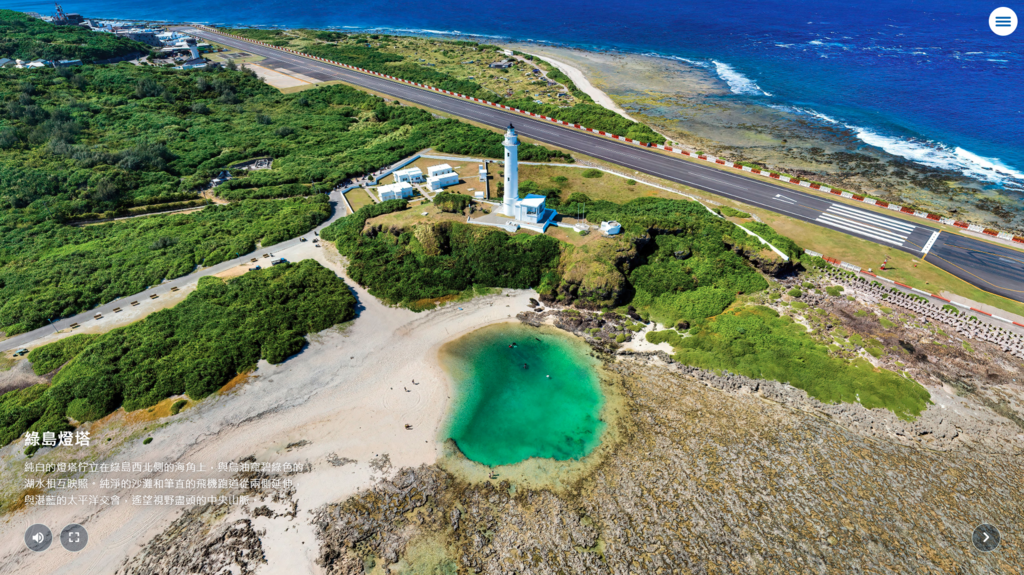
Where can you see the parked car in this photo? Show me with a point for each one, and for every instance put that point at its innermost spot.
(278, 261)
(255, 268)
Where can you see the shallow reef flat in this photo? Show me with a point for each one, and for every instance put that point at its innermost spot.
(701, 481)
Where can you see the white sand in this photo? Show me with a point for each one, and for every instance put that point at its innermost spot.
(640, 344)
(343, 393)
(585, 86)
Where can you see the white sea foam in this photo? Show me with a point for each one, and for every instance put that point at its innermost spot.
(738, 83)
(938, 155)
(935, 155)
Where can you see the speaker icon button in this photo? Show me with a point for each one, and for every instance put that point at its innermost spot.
(38, 537)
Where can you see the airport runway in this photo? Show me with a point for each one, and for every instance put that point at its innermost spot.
(989, 266)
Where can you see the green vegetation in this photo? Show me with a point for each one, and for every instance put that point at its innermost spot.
(756, 342)
(56, 270)
(103, 141)
(147, 441)
(967, 347)
(886, 323)
(177, 405)
(732, 212)
(451, 203)
(429, 261)
(669, 336)
(50, 357)
(690, 269)
(27, 38)
(272, 37)
(834, 291)
(220, 330)
(795, 292)
(592, 173)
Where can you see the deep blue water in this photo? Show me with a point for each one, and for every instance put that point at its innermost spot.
(923, 79)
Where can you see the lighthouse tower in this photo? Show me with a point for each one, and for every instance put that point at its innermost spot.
(511, 144)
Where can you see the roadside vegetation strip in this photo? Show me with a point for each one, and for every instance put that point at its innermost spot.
(711, 159)
(50, 357)
(59, 271)
(220, 330)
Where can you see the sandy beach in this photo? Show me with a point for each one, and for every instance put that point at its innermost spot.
(340, 405)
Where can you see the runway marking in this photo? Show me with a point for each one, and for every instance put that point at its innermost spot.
(866, 224)
(931, 241)
(893, 224)
(853, 227)
(783, 198)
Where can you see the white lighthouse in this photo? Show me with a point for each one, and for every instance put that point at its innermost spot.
(511, 144)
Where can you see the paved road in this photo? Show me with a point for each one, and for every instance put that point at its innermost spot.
(107, 310)
(988, 266)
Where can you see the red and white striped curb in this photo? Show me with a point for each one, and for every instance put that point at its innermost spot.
(857, 269)
(712, 159)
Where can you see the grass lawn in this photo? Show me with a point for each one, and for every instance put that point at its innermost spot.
(607, 187)
(358, 198)
(414, 215)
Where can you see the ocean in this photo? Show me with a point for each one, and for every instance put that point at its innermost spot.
(927, 81)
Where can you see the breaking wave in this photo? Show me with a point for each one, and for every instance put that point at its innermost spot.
(933, 154)
(738, 83)
(938, 155)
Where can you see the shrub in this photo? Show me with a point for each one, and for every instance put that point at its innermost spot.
(630, 182)
(177, 405)
(668, 336)
(795, 292)
(592, 173)
(834, 291)
(51, 356)
(733, 213)
(451, 203)
(756, 342)
(147, 441)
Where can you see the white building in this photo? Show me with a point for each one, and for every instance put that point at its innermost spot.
(411, 175)
(394, 191)
(531, 210)
(610, 228)
(438, 170)
(442, 181)
(483, 172)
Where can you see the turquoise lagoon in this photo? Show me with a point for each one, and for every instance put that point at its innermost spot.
(541, 397)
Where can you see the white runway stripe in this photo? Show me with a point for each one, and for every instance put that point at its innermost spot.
(895, 225)
(859, 229)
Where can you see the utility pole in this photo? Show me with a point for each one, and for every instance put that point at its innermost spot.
(53, 326)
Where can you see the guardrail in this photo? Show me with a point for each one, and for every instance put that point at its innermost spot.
(710, 159)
